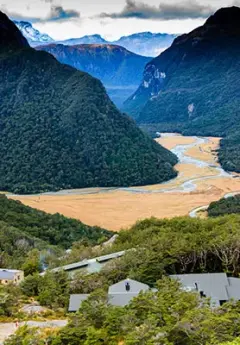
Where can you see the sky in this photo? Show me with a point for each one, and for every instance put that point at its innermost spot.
(63, 19)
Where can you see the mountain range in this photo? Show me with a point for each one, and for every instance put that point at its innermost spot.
(193, 87)
(59, 129)
(144, 43)
(118, 69)
(31, 34)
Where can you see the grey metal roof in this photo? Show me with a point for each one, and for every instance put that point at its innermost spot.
(6, 274)
(233, 288)
(213, 285)
(92, 265)
(116, 299)
(121, 299)
(110, 256)
(120, 287)
(76, 301)
(71, 266)
(117, 294)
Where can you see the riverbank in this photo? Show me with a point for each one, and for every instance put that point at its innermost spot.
(200, 181)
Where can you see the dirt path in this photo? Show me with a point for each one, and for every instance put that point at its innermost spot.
(7, 329)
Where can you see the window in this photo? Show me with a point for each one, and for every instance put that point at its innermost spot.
(222, 302)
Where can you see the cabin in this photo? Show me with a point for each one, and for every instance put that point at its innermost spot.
(217, 286)
(119, 294)
(93, 265)
(8, 276)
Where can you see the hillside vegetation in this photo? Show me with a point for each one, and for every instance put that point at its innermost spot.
(170, 316)
(54, 229)
(159, 247)
(59, 129)
(119, 70)
(23, 229)
(112, 64)
(225, 206)
(193, 87)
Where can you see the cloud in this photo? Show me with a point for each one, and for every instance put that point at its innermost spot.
(56, 14)
(165, 11)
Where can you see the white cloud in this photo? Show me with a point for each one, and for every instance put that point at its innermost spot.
(107, 27)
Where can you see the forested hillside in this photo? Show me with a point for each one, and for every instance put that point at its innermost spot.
(112, 64)
(23, 229)
(54, 229)
(194, 82)
(193, 87)
(59, 129)
(119, 70)
(169, 316)
(225, 206)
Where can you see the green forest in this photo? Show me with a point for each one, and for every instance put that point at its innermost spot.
(24, 229)
(59, 129)
(200, 92)
(171, 316)
(225, 206)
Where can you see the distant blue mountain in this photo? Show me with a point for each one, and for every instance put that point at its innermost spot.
(92, 39)
(144, 43)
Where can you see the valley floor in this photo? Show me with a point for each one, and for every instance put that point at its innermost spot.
(200, 181)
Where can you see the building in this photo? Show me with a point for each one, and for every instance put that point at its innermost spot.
(119, 294)
(11, 276)
(216, 286)
(89, 265)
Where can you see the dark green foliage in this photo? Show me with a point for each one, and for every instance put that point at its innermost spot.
(59, 130)
(158, 247)
(185, 245)
(51, 289)
(170, 316)
(224, 206)
(15, 246)
(229, 156)
(53, 229)
(200, 93)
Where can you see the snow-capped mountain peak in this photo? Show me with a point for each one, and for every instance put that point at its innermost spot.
(32, 34)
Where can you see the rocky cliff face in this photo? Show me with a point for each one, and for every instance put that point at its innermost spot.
(185, 80)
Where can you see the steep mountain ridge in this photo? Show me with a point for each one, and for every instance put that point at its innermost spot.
(182, 73)
(87, 39)
(193, 87)
(10, 36)
(118, 69)
(60, 130)
(113, 65)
